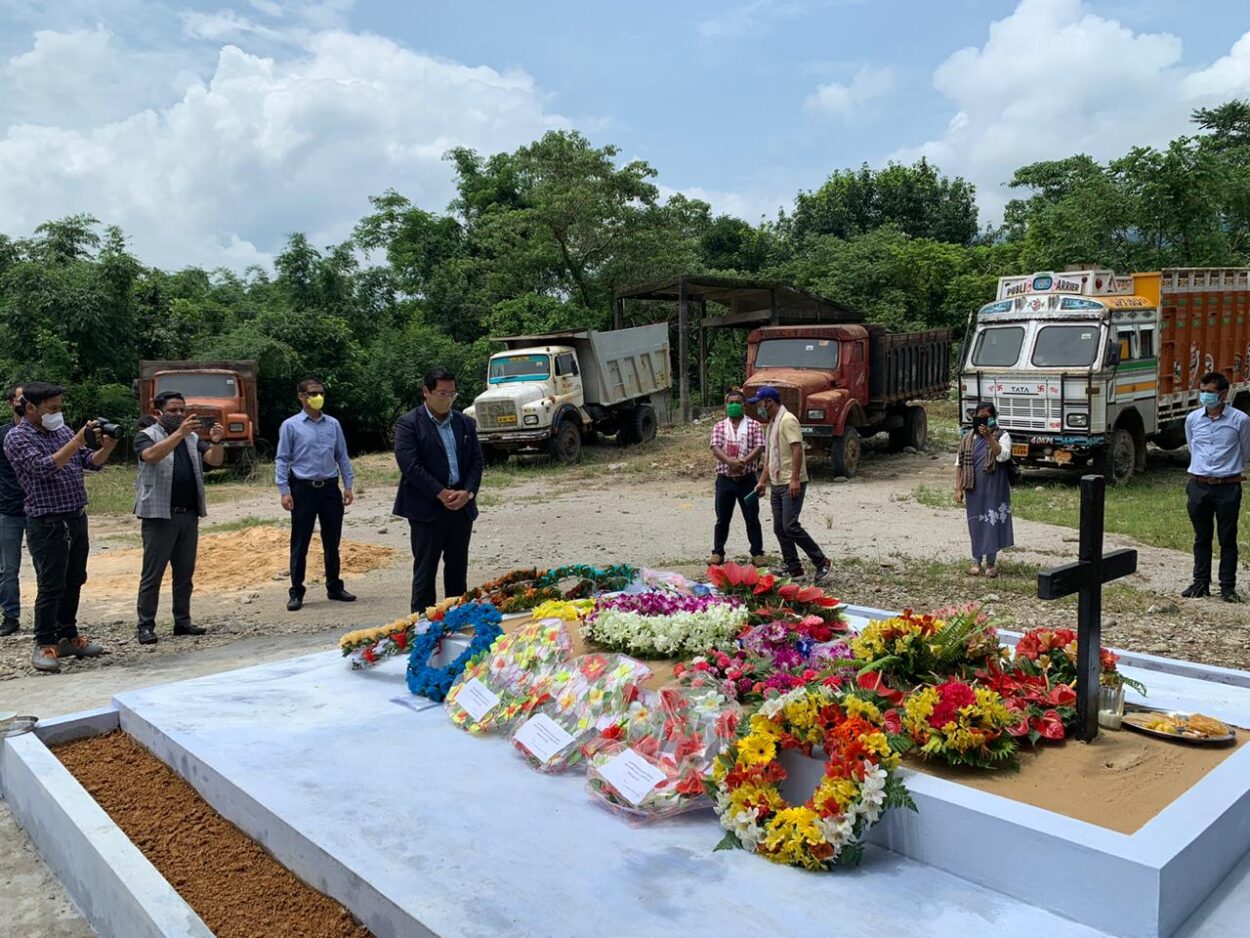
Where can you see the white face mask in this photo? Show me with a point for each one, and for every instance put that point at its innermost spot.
(52, 421)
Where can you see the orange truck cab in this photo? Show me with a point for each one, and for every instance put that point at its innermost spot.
(220, 392)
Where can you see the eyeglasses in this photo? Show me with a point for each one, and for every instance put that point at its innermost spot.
(445, 395)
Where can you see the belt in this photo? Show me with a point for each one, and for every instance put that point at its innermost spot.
(315, 483)
(183, 511)
(1218, 480)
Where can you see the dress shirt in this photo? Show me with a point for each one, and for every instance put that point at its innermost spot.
(12, 498)
(311, 449)
(448, 436)
(1219, 446)
(49, 490)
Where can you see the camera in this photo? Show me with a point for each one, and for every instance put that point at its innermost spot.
(980, 421)
(103, 428)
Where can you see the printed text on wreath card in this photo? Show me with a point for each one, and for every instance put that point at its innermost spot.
(543, 737)
(631, 775)
(475, 699)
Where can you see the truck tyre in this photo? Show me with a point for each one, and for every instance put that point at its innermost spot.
(566, 443)
(844, 453)
(914, 432)
(1118, 458)
(643, 422)
(493, 455)
(1173, 437)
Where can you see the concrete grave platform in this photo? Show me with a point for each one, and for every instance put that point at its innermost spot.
(373, 797)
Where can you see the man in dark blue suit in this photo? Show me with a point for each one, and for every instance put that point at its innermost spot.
(441, 460)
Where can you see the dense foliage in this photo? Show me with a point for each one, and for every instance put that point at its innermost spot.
(540, 239)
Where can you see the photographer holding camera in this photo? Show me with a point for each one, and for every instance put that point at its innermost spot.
(49, 459)
(169, 501)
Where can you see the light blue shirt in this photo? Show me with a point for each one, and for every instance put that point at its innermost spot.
(311, 449)
(1219, 446)
(448, 435)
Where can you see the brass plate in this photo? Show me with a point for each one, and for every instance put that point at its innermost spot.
(1135, 721)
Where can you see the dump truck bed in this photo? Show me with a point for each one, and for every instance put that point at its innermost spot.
(909, 366)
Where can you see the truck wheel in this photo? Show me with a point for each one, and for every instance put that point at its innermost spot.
(1173, 437)
(917, 428)
(566, 443)
(644, 424)
(493, 455)
(844, 453)
(1118, 458)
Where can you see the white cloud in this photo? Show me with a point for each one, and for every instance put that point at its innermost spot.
(846, 100)
(1054, 79)
(748, 19)
(265, 146)
(750, 206)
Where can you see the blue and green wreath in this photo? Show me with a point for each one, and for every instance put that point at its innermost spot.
(434, 683)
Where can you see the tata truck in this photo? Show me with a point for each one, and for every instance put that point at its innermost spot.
(554, 392)
(1085, 367)
(222, 392)
(849, 382)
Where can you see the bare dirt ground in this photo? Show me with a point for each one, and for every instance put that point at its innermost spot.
(651, 507)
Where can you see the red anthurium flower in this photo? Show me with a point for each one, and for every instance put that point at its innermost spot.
(874, 682)
(892, 722)
(789, 591)
(1021, 727)
(1049, 725)
(1062, 695)
(765, 584)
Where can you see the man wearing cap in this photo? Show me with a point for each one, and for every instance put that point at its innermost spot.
(784, 477)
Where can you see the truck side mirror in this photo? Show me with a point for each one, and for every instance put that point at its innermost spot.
(1113, 356)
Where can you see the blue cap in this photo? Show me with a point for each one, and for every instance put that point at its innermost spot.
(765, 393)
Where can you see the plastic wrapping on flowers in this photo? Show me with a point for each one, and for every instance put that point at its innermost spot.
(426, 680)
(365, 648)
(507, 682)
(587, 695)
(664, 625)
(677, 733)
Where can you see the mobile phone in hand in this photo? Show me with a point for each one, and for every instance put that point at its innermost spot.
(751, 496)
(207, 423)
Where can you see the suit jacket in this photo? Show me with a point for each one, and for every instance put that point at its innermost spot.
(423, 463)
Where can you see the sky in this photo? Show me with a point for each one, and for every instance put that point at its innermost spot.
(209, 131)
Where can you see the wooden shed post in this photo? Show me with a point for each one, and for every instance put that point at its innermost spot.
(683, 350)
(775, 318)
(704, 399)
(618, 313)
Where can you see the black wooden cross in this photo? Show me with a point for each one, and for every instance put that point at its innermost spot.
(1086, 577)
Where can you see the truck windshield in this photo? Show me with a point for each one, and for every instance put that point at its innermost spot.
(193, 384)
(817, 354)
(1065, 346)
(519, 368)
(998, 348)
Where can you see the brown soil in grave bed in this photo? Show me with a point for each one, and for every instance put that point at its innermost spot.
(238, 889)
(1120, 781)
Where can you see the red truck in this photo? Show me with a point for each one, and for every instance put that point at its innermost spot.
(848, 382)
(223, 392)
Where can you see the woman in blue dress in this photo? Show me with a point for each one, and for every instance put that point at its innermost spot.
(983, 487)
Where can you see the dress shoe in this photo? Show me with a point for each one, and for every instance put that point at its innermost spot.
(9, 625)
(189, 630)
(342, 596)
(716, 560)
(147, 635)
(759, 560)
(1196, 591)
(80, 647)
(294, 604)
(44, 658)
(1230, 596)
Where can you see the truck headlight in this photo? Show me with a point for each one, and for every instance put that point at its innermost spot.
(236, 428)
(1080, 421)
(531, 420)
(815, 415)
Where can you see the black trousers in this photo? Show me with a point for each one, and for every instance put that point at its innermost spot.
(58, 547)
(1214, 510)
(314, 503)
(790, 531)
(168, 542)
(446, 539)
(731, 492)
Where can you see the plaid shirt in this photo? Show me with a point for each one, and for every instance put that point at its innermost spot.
(749, 432)
(49, 490)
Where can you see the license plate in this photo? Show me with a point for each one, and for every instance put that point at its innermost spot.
(507, 419)
(1020, 449)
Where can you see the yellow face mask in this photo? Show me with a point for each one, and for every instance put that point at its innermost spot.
(316, 401)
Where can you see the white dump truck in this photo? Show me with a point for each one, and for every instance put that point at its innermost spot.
(552, 392)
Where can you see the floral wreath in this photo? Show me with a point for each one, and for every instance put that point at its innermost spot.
(522, 590)
(366, 647)
(858, 784)
(434, 683)
(664, 625)
(961, 724)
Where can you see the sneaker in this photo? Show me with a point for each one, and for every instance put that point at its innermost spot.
(1196, 591)
(759, 560)
(45, 658)
(147, 635)
(822, 572)
(9, 625)
(1230, 596)
(80, 647)
(716, 560)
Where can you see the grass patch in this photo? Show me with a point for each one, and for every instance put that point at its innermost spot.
(241, 524)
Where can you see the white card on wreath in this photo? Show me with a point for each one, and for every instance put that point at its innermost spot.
(543, 737)
(631, 775)
(476, 699)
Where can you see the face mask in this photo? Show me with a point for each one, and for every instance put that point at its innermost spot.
(735, 410)
(762, 412)
(1209, 398)
(991, 422)
(316, 401)
(438, 405)
(171, 422)
(52, 421)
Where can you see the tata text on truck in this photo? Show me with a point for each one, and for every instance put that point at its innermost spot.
(552, 392)
(847, 382)
(1086, 366)
(222, 392)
